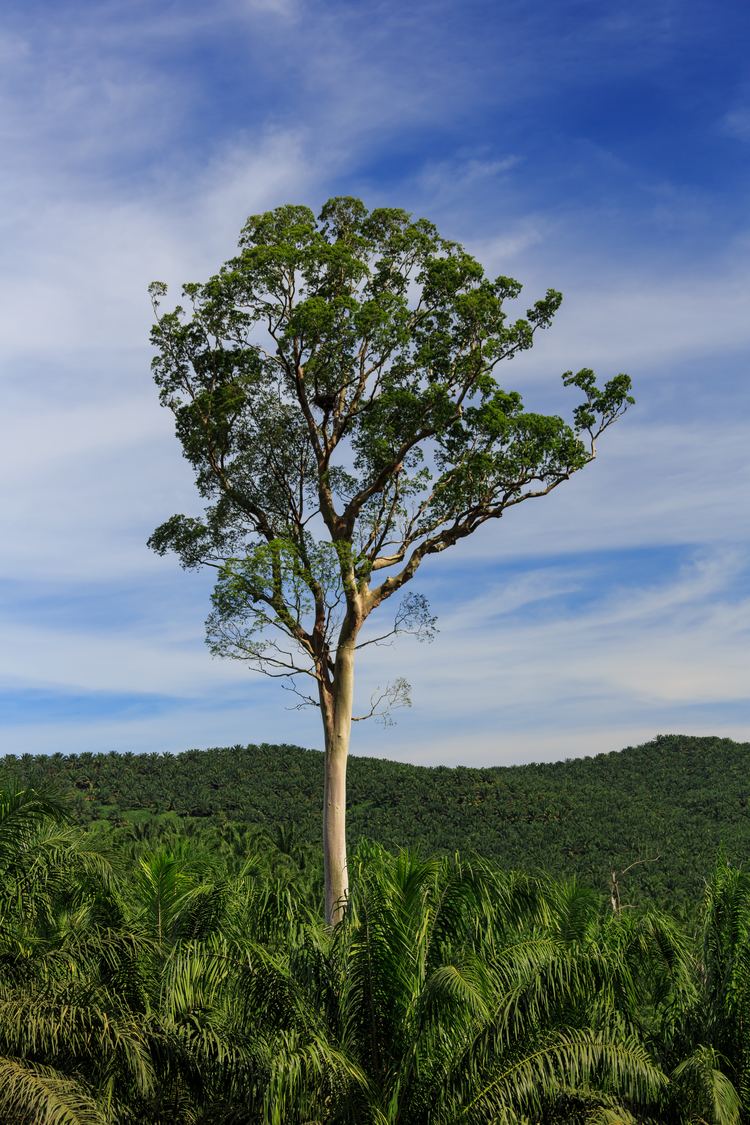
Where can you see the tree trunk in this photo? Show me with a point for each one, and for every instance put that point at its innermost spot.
(336, 710)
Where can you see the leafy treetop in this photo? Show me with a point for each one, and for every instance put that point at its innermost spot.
(334, 389)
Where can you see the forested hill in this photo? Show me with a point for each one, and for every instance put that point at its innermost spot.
(676, 801)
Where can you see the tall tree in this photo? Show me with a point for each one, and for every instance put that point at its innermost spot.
(334, 389)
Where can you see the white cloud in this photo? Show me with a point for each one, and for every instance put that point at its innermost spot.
(637, 317)
(75, 271)
(127, 661)
(512, 243)
(99, 198)
(189, 725)
(444, 182)
(482, 748)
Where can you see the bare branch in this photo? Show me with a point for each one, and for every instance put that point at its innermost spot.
(386, 700)
(413, 618)
(304, 700)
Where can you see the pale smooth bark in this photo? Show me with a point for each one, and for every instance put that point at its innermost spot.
(336, 710)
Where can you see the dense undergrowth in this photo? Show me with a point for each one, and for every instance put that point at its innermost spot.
(171, 981)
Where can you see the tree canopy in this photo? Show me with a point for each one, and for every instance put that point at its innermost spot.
(335, 389)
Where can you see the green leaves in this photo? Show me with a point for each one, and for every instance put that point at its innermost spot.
(601, 407)
(39, 1094)
(451, 991)
(188, 537)
(703, 1091)
(461, 1004)
(338, 366)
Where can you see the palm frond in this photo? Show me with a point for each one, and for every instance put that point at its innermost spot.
(31, 1094)
(702, 1088)
(525, 1081)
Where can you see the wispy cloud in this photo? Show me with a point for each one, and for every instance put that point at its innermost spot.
(737, 122)
(636, 657)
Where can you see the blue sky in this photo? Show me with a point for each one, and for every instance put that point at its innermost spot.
(599, 149)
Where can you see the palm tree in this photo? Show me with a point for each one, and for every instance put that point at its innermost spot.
(452, 993)
(704, 1040)
(67, 1037)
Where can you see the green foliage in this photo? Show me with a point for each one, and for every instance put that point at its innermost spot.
(335, 389)
(193, 982)
(674, 802)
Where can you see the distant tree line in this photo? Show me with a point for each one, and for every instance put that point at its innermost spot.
(676, 802)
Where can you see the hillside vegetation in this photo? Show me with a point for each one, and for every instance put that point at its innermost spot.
(676, 802)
